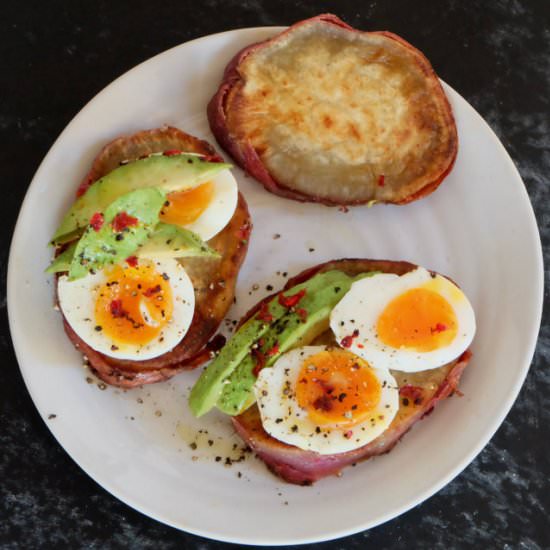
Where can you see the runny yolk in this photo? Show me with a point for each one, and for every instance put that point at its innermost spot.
(419, 319)
(336, 387)
(133, 305)
(185, 207)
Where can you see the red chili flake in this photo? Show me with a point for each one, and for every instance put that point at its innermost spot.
(414, 393)
(360, 346)
(123, 220)
(274, 350)
(348, 434)
(302, 313)
(439, 327)
(171, 152)
(263, 314)
(117, 310)
(260, 362)
(132, 261)
(347, 341)
(151, 291)
(96, 221)
(381, 180)
(292, 301)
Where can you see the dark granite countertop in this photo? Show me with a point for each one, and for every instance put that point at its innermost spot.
(57, 55)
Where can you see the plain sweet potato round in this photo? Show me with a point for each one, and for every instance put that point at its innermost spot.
(326, 113)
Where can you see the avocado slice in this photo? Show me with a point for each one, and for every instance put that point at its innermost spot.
(289, 332)
(166, 241)
(210, 386)
(171, 241)
(167, 173)
(127, 223)
(62, 262)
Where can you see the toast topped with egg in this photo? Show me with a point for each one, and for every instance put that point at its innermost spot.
(339, 364)
(148, 256)
(324, 112)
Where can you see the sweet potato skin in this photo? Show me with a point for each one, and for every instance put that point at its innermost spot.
(250, 159)
(214, 280)
(301, 467)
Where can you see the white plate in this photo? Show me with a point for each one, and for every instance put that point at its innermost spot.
(478, 227)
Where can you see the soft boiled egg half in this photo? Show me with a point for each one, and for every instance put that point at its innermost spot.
(413, 322)
(204, 209)
(325, 400)
(130, 312)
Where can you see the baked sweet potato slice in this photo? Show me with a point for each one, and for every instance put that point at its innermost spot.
(213, 279)
(326, 113)
(419, 393)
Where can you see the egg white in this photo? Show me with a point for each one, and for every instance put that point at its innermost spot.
(286, 421)
(220, 209)
(367, 298)
(77, 301)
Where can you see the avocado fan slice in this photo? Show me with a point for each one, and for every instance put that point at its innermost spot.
(172, 241)
(210, 385)
(167, 173)
(62, 262)
(165, 241)
(290, 332)
(125, 224)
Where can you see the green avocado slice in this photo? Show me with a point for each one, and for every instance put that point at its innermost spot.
(171, 241)
(209, 387)
(167, 173)
(166, 241)
(289, 332)
(113, 243)
(62, 262)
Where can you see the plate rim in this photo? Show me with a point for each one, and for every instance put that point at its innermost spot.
(334, 534)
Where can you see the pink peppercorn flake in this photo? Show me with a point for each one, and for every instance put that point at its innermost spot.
(264, 314)
(123, 220)
(117, 310)
(291, 301)
(96, 221)
(347, 341)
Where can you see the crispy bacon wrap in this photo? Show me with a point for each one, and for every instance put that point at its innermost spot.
(419, 393)
(326, 113)
(213, 279)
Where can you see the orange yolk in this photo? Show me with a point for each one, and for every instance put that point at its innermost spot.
(133, 305)
(336, 387)
(419, 319)
(184, 207)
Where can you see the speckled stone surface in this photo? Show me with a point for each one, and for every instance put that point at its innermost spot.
(58, 55)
